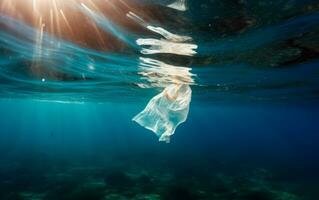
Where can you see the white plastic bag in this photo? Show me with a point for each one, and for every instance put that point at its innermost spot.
(166, 111)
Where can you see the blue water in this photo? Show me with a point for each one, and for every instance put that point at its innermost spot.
(68, 98)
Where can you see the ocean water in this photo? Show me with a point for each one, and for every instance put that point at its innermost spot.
(230, 87)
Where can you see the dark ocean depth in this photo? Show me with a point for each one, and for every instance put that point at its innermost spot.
(91, 151)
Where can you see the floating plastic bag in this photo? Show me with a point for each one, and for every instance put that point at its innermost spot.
(179, 5)
(166, 111)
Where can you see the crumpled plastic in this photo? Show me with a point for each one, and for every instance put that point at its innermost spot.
(166, 111)
(178, 5)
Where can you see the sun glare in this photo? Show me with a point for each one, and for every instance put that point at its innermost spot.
(61, 18)
(53, 15)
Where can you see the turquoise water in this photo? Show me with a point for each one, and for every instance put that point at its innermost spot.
(73, 76)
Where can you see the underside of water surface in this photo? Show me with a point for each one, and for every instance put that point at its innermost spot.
(159, 100)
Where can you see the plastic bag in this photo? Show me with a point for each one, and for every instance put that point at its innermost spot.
(179, 5)
(166, 111)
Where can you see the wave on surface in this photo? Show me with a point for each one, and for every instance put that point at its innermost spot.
(147, 50)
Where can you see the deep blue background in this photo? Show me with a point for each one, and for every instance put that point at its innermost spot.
(283, 138)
